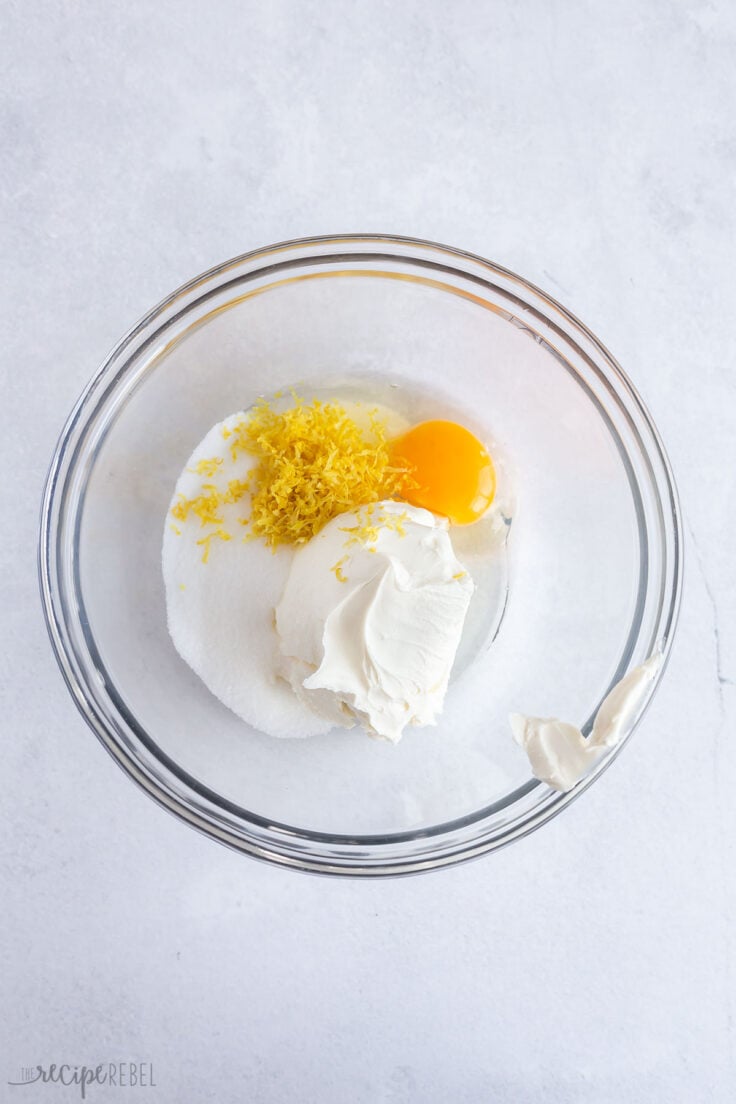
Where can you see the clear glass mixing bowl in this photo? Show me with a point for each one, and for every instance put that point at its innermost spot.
(595, 564)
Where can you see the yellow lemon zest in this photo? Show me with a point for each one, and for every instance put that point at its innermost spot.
(219, 534)
(337, 568)
(313, 463)
(207, 467)
(207, 505)
(236, 488)
(366, 532)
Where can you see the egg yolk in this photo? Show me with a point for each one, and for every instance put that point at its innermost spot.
(451, 472)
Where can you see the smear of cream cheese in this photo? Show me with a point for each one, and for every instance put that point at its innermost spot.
(371, 618)
(558, 752)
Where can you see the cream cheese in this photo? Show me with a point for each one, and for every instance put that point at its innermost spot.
(371, 618)
(558, 752)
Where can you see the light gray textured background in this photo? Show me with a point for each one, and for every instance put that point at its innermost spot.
(590, 147)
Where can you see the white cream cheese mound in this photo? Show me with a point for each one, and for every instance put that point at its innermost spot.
(371, 618)
(559, 754)
(220, 612)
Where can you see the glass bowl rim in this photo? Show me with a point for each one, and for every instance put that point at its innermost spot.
(362, 855)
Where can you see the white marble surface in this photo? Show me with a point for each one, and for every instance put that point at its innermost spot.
(590, 147)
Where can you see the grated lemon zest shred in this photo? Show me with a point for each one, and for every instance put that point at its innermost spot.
(337, 569)
(313, 463)
(206, 467)
(367, 532)
(219, 534)
(207, 505)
